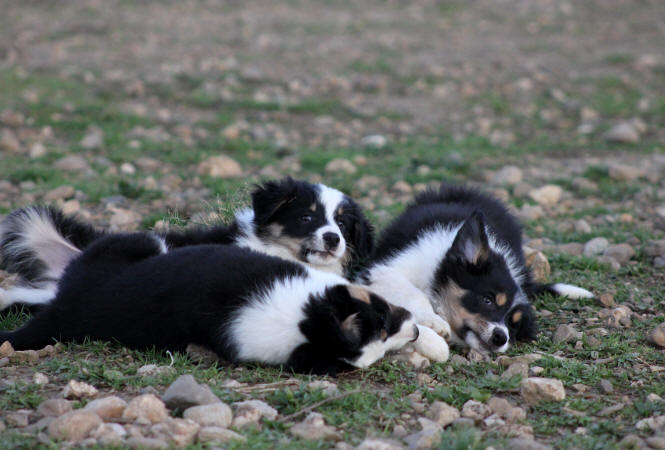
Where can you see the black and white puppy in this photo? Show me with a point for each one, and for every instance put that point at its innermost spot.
(456, 254)
(295, 220)
(244, 305)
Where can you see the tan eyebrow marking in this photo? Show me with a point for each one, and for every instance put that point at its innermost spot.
(517, 316)
(312, 207)
(501, 299)
(359, 293)
(340, 210)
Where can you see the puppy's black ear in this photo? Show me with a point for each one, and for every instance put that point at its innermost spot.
(522, 324)
(471, 245)
(270, 197)
(351, 327)
(363, 236)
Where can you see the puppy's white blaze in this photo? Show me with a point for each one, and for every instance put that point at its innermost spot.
(40, 236)
(570, 291)
(375, 350)
(266, 328)
(330, 199)
(28, 296)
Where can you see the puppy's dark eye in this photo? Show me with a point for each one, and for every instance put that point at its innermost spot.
(341, 225)
(488, 300)
(306, 218)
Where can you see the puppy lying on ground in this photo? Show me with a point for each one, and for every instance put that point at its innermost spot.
(309, 223)
(454, 259)
(243, 305)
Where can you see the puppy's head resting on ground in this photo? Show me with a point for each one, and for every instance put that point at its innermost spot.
(311, 223)
(484, 305)
(368, 326)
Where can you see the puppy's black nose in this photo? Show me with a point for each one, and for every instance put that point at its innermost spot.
(330, 240)
(499, 337)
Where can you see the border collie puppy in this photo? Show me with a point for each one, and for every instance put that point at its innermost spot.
(456, 254)
(295, 220)
(244, 305)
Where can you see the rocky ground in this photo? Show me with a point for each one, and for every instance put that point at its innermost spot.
(156, 114)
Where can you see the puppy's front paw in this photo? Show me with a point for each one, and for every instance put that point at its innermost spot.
(431, 345)
(436, 323)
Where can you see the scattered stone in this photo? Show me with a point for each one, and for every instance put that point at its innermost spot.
(24, 357)
(108, 434)
(623, 133)
(596, 246)
(507, 175)
(606, 386)
(475, 410)
(186, 392)
(525, 443)
(536, 371)
(621, 253)
(579, 387)
(571, 248)
(566, 333)
(59, 193)
(212, 415)
(655, 247)
(76, 390)
(54, 407)
(625, 173)
(380, 444)
(153, 370)
(250, 412)
(74, 426)
(326, 386)
(582, 226)
(220, 167)
(530, 212)
(535, 390)
(140, 442)
(442, 413)
(428, 437)
(72, 163)
(608, 411)
(527, 359)
(548, 195)
(375, 141)
(340, 165)
(607, 299)
(618, 317)
(9, 142)
(657, 442)
(652, 398)
(6, 349)
(40, 379)
(493, 421)
(123, 218)
(504, 409)
(612, 263)
(93, 139)
(315, 428)
(539, 265)
(37, 150)
(108, 408)
(657, 335)
(463, 422)
(180, 432)
(654, 423)
(402, 187)
(127, 169)
(19, 418)
(475, 356)
(515, 369)
(219, 435)
(145, 409)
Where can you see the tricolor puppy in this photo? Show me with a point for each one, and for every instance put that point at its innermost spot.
(456, 254)
(244, 305)
(295, 220)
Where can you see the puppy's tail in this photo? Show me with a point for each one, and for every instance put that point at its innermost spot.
(560, 289)
(38, 242)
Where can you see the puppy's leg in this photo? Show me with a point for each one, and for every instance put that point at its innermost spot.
(26, 295)
(431, 345)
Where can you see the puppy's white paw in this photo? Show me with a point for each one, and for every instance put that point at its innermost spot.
(436, 323)
(431, 345)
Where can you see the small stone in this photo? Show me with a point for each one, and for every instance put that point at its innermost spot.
(539, 265)
(530, 212)
(340, 165)
(18, 419)
(618, 317)
(582, 226)
(315, 428)
(24, 357)
(525, 441)
(625, 173)
(72, 163)
(59, 193)
(380, 444)
(657, 335)
(622, 132)
(180, 432)
(506, 410)
(608, 411)
(596, 246)
(250, 412)
(108, 408)
(653, 248)
(108, 434)
(515, 369)
(463, 422)
(536, 371)
(475, 410)
(54, 407)
(571, 248)
(76, 390)
(9, 142)
(219, 435)
(657, 442)
(566, 333)
(212, 415)
(185, 392)
(535, 390)
(375, 141)
(612, 263)
(621, 253)
(653, 398)
(40, 379)
(428, 437)
(220, 167)
(153, 370)
(655, 423)
(49, 350)
(607, 299)
(475, 356)
(93, 139)
(548, 195)
(74, 426)
(442, 413)
(402, 187)
(606, 386)
(326, 386)
(145, 409)
(493, 421)
(124, 218)
(127, 169)
(579, 387)
(6, 349)
(140, 442)
(37, 150)
(507, 175)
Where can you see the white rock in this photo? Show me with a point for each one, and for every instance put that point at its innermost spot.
(625, 173)
(93, 139)
(315, 428)
(153, 370)
(74, 426)
(108, 408)
(72, 163)
(380, 444)
(77, 390)
(326, 386)
(507, 175)
(180, 432)
(40, 379)
(220, 167)
(442, 413)
(655, 423)
(535, 390)
(548, 195)
(623, 132)
(376, 141)
(596, 246)
(251, 412)
(212, 415)
(475, 410)
(59, 193)
(54, 407)
(145, 409)
(127, 169)
(341, 165)
(219, 435)
(109, 433)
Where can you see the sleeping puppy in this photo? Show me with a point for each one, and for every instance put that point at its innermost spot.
(454, 259)
(244, 305)
(309, 223)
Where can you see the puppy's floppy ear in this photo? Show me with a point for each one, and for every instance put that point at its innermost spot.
(363, 236)
(471, 245)
(351, 327)
(522, 323)
(270, 197)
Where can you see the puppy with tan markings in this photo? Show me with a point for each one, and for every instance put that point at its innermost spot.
(454, 259)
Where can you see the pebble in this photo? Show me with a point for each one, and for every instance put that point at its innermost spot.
(428, 437)
(652, 398)
(607, 299)
(566, 333)
(54, 407)
(74, 426)
(108, 434)
(655, 247)
(596, 246)
(326, 386)
(315, 428)
(654, 423)
(530, 212)
(9, 142)
(515, 369)
(548, 195)
(250, 412)
(340, 165)
(19, 418)
(24, 357)
(220, 167)
(535, 390)
(609, 410)
(180, 432)
(140, 442)
(582, 226)
(108, 408)
(76, 390)
(506, 410)
(475, 410)
(442, 413)
(145, 409)
(539, 265)
(623, 133)
(6, 349)
(507, 175)
(380, 444)
(625, 173)
(606, 386)
(93, 139)
(212, 415)
(185, 392)
(657, 335)
(40, 379)
(618, 317)
(59, 193)
(72, 163)
(153, 370)
(219, 435)
(621, 253)
(374, 141)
